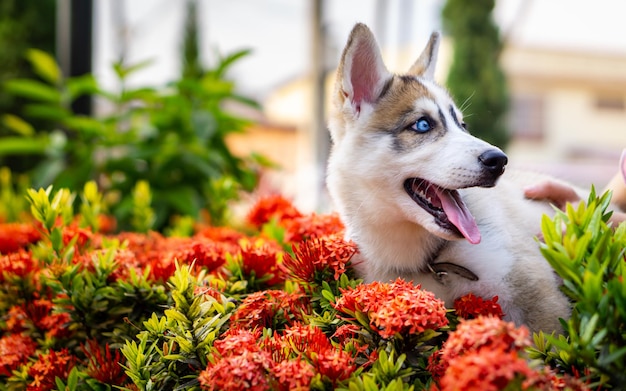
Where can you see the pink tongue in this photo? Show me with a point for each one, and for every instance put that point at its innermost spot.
(459, 215)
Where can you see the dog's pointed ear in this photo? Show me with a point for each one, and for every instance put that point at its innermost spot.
(425, 64)
(362, 74)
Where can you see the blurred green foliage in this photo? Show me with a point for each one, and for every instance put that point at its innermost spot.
(172, 138)
(24, 24)
(476, 79)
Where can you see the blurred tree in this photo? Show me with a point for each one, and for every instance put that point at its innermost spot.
(191, 64)
(475, 78)
(24, 24)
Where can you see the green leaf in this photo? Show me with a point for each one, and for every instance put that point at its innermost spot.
(85, 124)
(176, 315)
(123, 71)
(613, 357)
(47, 111)
(328, 296)
(229, 60)
(44, 65)
(587, 328)
(32, 89)
(184, 199)
(18, 125)
(59, 383)
(362, 318)
(23, 146)
(82, 85)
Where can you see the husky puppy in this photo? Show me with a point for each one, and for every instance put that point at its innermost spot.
(415, 191)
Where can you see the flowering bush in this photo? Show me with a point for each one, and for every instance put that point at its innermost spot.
(275, 305)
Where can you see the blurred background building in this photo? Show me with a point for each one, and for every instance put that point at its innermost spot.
(564, 61)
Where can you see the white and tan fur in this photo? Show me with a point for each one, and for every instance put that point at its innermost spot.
(374, 152)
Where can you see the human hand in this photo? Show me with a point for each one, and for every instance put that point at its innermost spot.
(560, 194)
(555, 192)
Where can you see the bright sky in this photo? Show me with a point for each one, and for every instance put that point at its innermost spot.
(278, 32)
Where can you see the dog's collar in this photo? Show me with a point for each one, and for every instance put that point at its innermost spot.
(440, 270)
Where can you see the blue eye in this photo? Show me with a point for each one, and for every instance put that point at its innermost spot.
(422, 125)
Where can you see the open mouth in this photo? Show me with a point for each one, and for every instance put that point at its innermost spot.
(446, 206)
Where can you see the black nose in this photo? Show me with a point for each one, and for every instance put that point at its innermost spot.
(493, 161)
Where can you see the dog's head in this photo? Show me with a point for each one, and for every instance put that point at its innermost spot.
(400, 143)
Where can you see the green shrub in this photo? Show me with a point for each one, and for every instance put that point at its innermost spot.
(173, 138)
(588, 253)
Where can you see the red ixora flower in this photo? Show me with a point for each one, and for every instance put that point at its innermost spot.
(312, 226)
(315, 259)
(50, 366)
(261, 259)
(300, 339)
(106, 367)
(293, 375)
(249, 370)
(271, 207)
(334, 363)
(264, 308)
(237, 340)
(14, 236)
(40, 312)
(82, 236)
(219, 234)
(484, 331)
(548, 380)
(310, 342)
(202, 252)
(397, 307)
(485, 369)
(471, 306)
(15, 350)
(488, 332)
(346, 332)
(19, 263)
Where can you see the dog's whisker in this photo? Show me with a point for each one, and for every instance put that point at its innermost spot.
(467, 102)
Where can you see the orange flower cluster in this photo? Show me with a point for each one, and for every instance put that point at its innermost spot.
(487, 354)
(393, 308)
(269, 308)
(18, 264)
(317, 259)
(487, 369)
(471, 306)
(298, 226)
(485, 331)
(15, 350)
(77, 235)
(15, 236)
(289, 360)
(262, 260)
(293, 375)
(273, 207)
(38, 314)
(312, 226)
(50, 366)
(160, 253)
(310, 342)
